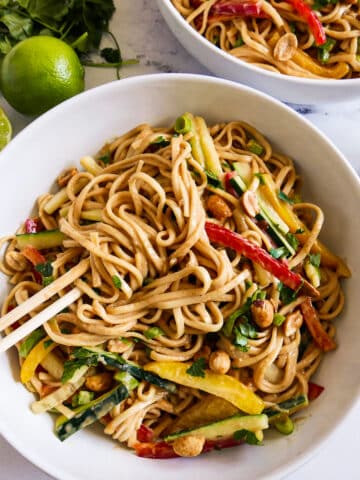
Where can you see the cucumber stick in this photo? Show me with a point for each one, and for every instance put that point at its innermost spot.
(225, 428)
(40, 240)
(90, 413)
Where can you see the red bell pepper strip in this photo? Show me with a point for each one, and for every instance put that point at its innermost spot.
(229, 188)
(162, 449)
(144, 434)
(33, 225)
(280, 270)
(224, 10)
(320, 336)
(33, 255)
(311, 19)
(314, 391)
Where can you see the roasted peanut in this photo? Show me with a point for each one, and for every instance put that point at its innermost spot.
(262, 312)
(219, 362)
(218, 207)
(285, 47)
(99, 382)
(189, 446)
(63, 178)
(292, 323)
(250, 203)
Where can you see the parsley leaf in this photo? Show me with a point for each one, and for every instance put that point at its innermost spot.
(294, 242)
(247, 436)
(197, 368)
(285, 198)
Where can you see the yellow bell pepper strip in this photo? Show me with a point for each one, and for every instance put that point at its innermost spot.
(301, 58)
(222, 386)
(328, 259)
(35, 357)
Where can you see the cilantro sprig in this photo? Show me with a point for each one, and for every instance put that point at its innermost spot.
(197, 369)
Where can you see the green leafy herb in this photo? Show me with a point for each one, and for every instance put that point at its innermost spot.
(239, 42)
(278, 319)
(247, 436)
(278, 252)
(287, 295)
(153, 332)
(29, 343)
(116, 281)
(161, 142)
(255, 147)
(243, 311)
(197, 368)
(285, 198)
(213, 179)
(147, 281)
(294, 242)
(315, 259)
(325, 49)
(319, 4)
(300, 230)
(105, 158)
(240, 340)
(45, 269)
(48, 343)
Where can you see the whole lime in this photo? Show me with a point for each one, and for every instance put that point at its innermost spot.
(40, 72)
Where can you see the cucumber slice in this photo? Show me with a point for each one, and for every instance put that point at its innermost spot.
(90, 413)
(288, 407)
(225, 428)
(41, 240)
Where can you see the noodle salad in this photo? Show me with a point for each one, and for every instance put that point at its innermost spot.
(310, 39)
(207, 302)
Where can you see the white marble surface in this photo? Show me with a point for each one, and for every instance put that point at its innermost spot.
(143, 35)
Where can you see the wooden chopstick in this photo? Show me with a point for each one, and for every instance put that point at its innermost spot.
(39, 319)
(42, 296)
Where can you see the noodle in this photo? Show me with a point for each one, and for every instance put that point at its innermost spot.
(158, 290)
(274, 36)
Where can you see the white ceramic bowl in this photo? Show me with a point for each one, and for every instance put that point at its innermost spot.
(80, 126)
(288, 89)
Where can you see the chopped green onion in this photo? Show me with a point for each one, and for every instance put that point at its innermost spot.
(153, 332)
(82, 398)
(278, 319)
(325, 49)
(116, 281)
(183, 124)
(255, 147)
(285, 425)
(161, 142)
(127, 380)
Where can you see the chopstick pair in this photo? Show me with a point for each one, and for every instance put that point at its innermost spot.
(36, 300)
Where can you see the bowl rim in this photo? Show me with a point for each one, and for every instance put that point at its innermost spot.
(142, 80)
(325, 83)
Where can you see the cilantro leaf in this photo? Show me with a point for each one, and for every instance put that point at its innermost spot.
(278, 319)
(294, 242)
(278, 252)
(197, 368)
(240, 340)
(247, 436)
(287, 295)
(315, 259)
(45, 269)
(285, 198)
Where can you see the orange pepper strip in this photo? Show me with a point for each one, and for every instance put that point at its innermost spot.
(320, 336)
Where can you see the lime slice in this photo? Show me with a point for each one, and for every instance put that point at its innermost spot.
(5, 129)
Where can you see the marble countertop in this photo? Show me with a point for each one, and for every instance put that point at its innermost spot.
(143, 34)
